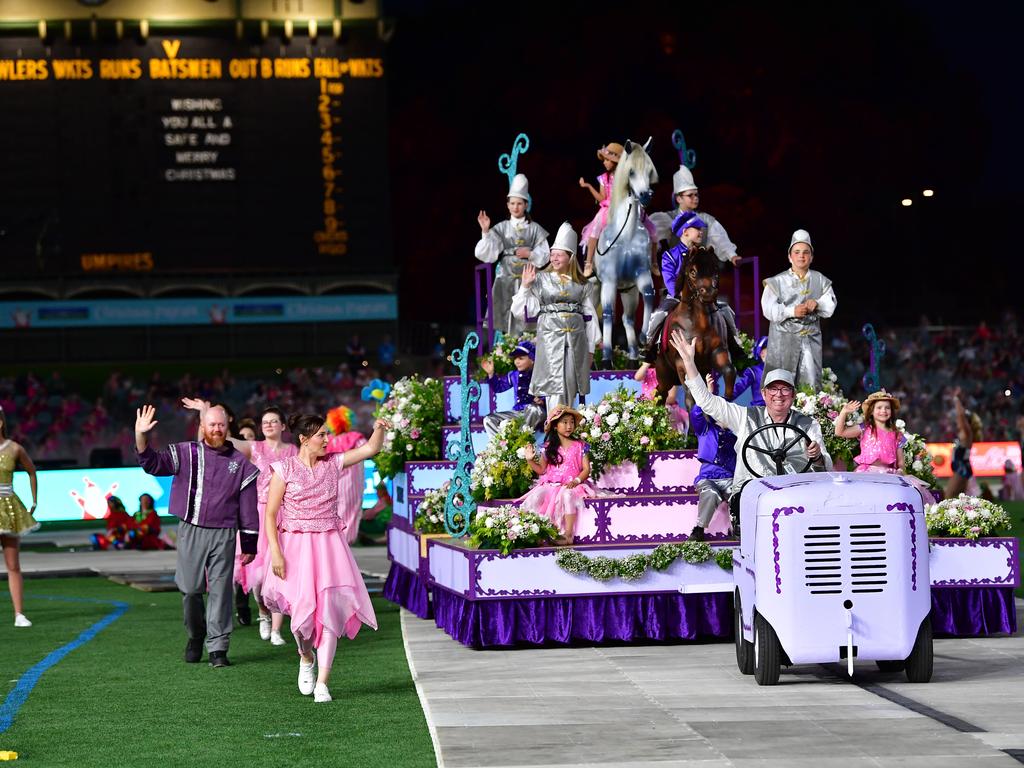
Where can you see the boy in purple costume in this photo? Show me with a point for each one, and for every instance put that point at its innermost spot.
(751, 377)
(529, 407)
(689, 228)
(716, 451)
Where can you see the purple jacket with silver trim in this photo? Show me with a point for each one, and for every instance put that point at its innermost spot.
(212, 488)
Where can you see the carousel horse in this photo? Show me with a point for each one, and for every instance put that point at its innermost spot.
(623, 261)
(700, 314)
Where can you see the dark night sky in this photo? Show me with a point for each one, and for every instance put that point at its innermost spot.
(812, 116)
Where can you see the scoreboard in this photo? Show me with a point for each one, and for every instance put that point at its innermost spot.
(193, 153)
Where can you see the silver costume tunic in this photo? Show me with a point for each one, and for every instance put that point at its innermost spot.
(744, 420)
(499, 246)
(565, 340)
(794, 343)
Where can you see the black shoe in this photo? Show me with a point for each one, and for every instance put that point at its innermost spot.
(194, 650)
(219, 659)
(242, 608)
(697, 534)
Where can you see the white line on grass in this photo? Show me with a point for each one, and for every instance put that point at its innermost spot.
(419, 691)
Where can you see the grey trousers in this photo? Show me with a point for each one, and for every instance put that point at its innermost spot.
(533, 416)
(712, 493)
(206, 560)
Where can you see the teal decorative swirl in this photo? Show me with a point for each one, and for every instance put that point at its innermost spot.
(872, 381)
(687, 157)
(507, 163)
(459, 500)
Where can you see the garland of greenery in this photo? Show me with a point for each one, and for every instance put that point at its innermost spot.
(635, 566)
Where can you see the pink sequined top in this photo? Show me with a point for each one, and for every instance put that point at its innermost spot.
(262, 456)
(310, 502)
(571, 466)
(604, 183)
(880, 446)
(649, 385)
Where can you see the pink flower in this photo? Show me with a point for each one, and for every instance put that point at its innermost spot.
(832, 414)
(606, 437)
(597, 419)
(645, 440)
(415, 434)
(975, 529)
(503, 443)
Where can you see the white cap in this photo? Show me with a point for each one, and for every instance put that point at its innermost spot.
(682, 180)
(520, 187)
(778, 374)
(801, 236)
(566, 239)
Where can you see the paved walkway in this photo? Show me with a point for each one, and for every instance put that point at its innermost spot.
(687, 705)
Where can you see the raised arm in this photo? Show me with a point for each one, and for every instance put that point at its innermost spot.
(370, 448)
(202, 406)
(163, 462)
(841, 427)
(729, 415)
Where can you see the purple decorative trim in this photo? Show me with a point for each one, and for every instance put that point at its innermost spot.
(603, 522)
(561, 620)
(406, 589)
(603, 519)
(1012, 563)
(903, 506)
(766, 484)
(775, 539)
(612, 375)
(750, 573)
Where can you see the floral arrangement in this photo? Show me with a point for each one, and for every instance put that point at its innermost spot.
(634, 567)
(501, 471)
(506, 528)
(501, 354)
(824, 407)
(747, 343)
(430, 512)
(967, 517)
(624, 428)
(916, 459)
(415, 411)
(620, 359)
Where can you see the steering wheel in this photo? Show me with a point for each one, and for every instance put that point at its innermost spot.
(778, 455)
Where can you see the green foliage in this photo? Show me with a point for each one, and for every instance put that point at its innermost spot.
(633, 567)
(623, 427)
(966, 517)
(430, 512)
(415, 412)
(501, 471)
(501, 354)
(506, 528)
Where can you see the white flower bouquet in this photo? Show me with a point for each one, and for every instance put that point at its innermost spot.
(824, 406)
(415, 411)
(622, 427)
(501, 471)
(430, 512)
(506, 528)
(967, 517)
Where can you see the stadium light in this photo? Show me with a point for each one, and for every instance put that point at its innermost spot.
(906, 202)
(929, 193)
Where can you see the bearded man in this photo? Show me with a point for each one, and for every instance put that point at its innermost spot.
(214, 495)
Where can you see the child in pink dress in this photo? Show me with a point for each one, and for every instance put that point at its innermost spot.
(564, 469)
(609, 155)
(881, 444)
(311, 574)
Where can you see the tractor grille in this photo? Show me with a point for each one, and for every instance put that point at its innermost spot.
(866, 571)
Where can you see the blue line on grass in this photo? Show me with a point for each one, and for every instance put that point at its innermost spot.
(19, 694)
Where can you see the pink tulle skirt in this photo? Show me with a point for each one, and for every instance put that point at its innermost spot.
(881, 470)
(554, 501)
(240, 575)
(322, 587)
(596, 225)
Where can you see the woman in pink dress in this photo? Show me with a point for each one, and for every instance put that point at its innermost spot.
(262, 453)
(311, 574)
(564, 469)
(881, 444)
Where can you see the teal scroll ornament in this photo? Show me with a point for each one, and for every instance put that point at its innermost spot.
(687, 157)
(459, 500)
(508, 162)
(872, 380)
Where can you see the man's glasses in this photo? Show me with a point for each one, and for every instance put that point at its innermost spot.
(779, 390)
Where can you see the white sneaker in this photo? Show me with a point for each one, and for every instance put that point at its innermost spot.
(20, 620)
(307, 676)
(321, 694)
(276, 639)
(264, 627)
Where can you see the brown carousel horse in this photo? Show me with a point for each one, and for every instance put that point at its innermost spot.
(700, 314)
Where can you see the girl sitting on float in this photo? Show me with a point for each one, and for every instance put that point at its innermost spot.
(609, 155)
(564, 469)
(881, 444)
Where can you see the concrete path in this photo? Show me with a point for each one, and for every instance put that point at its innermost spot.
(687, 705)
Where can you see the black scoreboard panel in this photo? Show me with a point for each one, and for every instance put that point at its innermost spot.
(193, 153)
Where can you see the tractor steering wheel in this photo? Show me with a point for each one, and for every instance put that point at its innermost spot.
(778, 455)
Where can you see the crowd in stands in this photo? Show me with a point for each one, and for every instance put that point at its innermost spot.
(922, 366)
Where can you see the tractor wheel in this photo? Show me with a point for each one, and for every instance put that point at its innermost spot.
(891, 666)
(767, 652)
(744, 648)
(919, 662)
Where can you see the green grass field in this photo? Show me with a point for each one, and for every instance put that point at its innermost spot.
(126, 698)
(1016, 511)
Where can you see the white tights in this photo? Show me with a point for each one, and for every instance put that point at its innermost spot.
(324, 652)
